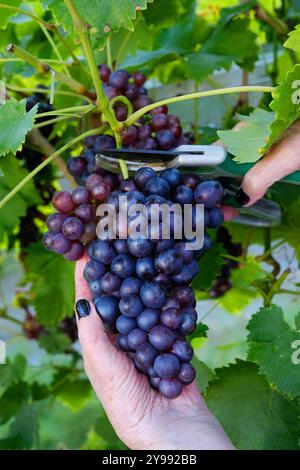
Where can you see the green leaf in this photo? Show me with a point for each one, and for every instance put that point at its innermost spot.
(10, 214)
(286, 104)
(75, 394)
(246, 142)
(162, 13)
(52, 281)
(297, 322)
(15, 122)
(210, 267)
(204, 374)
(293, 41)
(200, 331)
(104, 16)
(54, 341)
(12, 400)
(12, 372)
(254, 415)
(25, 427)
(271, 345)
(6, 14)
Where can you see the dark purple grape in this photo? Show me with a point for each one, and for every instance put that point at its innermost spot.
(95, 287)
(159, 121)
(191, 180)
(186, 255)
(183, 350)
(144, 132)
(128, 185)
(93, 270)
(170, 388)
(148, 319)
(111, 91)
(187, 326)
(153, 295)
(176, 130)
(141, 102)
(130, 286)
(143, 175)
(102, 251)
(172, 176)
(168, 262)
(119, 79)
(163, 109)
(120, 246)
(184, 296)
(165, 139)
(129, 135)
(172, 318)
(75, 253)
(122, 343)
(173, 119)
(209, 193)
(107, 309)
(125, 324)
(150, 144)
(131, 306)
(216, 217)
(123, 265)
(85, 212)
(92, 180)
(164, 245)
(60, 244)
(81, 195)
(111, 180)
(139, 78)
(104, 72)
(184, 195)
(164, 279)
(140, 247)
(157, 186)
(72, 228)
(145, 355)
(145, 269)
(161, 337)
(166, 365)
(136, 338)
(100, 191)
(63, 202)
(110, 283)
(48, 240)
(187, 273)
(121, 112)
(104, 142)
(207, 244)
(171, 303)
(187, 373)
(76, 166)
(131, 92)
(55, 221)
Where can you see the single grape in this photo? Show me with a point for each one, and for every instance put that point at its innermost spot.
(107, 309)
(153, 295)
(184, 195)
(144, 131)
(209, 193)
(157, 186)
(173, 177)
(75, 253)
(119, 79)
(172, 318)
(145, 269)
(187, 273)
(140, 247)
(191, 180)
(48, 240)
(55, 221)
(176, 130)
(60, 244)
(111, 180)
(166, 365)
(187, 326)
(136, 338)
(100, 191)
(72, 228)
(131, 306)
(131, 92)
(159, 121)
(121, 112)
(216, 217)
(148, 319)
(111, 91)
(125, 324)
(150, 144)
(63, 202)
(123, 265)
(102, 251)
(183, 350)
(168, 262)
(122, 343)
(92, 180)
(187, 256)
(104, 72)
(184, 296)
(160, 109)
(110, 283)
(104, 142)
(120, 246)
(81, 195)
(141, 102)
(165, 139)
(139, 78)
(161, 337)
(145, 355)
(85, 212)
(128, 185)
(173, 119)
(170, 388)
(93, 270)
(129, 135)
(76, 166)
(95, 287)
(187, 373)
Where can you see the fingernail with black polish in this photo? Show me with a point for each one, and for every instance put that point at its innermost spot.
(241, 197)
(82, 308)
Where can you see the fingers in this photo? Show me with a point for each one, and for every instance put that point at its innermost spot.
(282, 160)
(229, 213)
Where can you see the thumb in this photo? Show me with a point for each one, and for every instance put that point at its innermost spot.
(282, 160)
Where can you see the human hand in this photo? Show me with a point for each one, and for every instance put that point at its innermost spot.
(141, 417)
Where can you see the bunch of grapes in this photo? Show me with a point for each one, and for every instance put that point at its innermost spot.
(222, 284)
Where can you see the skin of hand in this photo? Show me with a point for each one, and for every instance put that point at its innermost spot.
(141, 417)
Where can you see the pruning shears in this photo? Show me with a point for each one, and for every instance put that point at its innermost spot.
(212, 161)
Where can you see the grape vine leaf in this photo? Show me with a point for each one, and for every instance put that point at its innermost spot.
(54, 341)
(246, 142)
(255, 416)
(74, 394)
(15, 123)
(286, 105)
(270, 343)
(52, 280)
(210, 267)
(104, 16)
(293, 41)
(162, 13)
(5, 14)
(15, 208)
(12, 372)
(204, 374)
